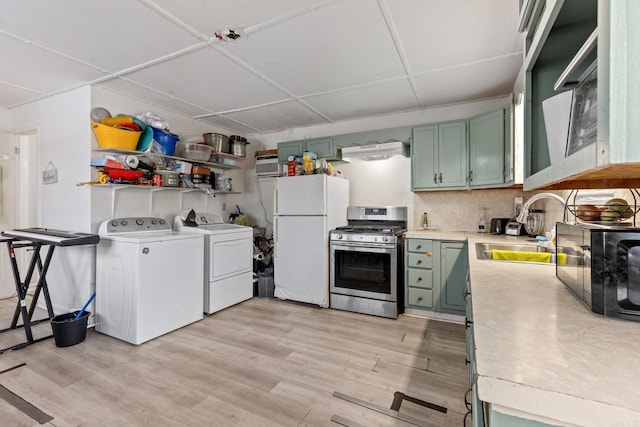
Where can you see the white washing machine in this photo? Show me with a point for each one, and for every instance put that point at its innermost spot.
(148, 279)
(228, 259)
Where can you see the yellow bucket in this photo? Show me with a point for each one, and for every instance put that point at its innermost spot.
(111, 137)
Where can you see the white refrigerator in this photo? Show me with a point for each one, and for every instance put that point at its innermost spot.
(306, 209)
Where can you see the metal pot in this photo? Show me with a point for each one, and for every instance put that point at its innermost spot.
(238, 146)
(217, 141)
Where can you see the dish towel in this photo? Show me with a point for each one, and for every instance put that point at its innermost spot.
(521, 256)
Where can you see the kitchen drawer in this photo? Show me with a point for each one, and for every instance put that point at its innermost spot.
(419, 245)
(420, 260)
(420, 297)
(420, 278)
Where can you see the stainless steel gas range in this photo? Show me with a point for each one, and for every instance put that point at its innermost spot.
(366, 261)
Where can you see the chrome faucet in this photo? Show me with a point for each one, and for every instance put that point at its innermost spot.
(524, 213)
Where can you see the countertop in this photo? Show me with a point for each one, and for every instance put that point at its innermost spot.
(540, 352)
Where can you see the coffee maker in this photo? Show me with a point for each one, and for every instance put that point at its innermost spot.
(498, 225)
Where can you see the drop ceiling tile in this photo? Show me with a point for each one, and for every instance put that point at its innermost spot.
(436, 34)
(40, 70)
(210, 80)
(112, 35)
(474, 82)
(343, 44)
(136, 91)
(12, 95)
(209, 16)
(234, 128)
(277, 117)
(382, 98)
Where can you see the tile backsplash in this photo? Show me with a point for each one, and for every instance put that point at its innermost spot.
(460, 210)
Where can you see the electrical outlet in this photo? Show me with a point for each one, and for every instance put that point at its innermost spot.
(224, 206)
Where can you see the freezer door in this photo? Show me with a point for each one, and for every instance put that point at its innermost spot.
(301, 259)
(301, 195)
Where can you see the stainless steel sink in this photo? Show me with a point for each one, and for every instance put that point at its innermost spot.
(519, 250)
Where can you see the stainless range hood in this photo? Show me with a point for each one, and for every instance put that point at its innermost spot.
(374, 151)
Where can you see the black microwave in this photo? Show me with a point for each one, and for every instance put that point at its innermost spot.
(602, 267)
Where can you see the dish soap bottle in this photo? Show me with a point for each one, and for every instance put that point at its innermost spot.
(482, 222)
(425, 221)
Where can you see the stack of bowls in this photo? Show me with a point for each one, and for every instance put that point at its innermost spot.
(218, 142)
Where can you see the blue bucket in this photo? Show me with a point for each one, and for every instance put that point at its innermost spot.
(166, 140)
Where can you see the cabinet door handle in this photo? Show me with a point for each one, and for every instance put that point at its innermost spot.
(419, 279)
(471, 176)
(467, 397)
(419, 298)
(428, 254)
(419, 261)
(419, 246)
(440, 177)
(467, 323)
(435, 178)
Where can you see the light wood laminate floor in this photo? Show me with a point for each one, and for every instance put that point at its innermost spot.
(259, 363)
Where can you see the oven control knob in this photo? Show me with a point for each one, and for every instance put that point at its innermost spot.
(339, 236)
(124, 223)
(385, 238)
(139, 221)
(114, 223)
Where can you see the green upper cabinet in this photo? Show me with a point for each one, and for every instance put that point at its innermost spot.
(289, 148)
(564, 29)
(487, 149)
(325, 148)
(439, 156)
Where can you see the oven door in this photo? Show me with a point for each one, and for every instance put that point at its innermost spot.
(366, 271)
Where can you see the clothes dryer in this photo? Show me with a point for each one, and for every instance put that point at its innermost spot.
(227, 259)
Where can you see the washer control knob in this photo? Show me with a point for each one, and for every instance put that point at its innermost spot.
(114, 223)
(162, 221)
(154, 221)
(124, 222)
(139, 221)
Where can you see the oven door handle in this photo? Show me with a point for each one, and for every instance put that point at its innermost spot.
(364, 247)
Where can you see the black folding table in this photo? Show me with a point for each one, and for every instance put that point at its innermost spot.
(36, 238)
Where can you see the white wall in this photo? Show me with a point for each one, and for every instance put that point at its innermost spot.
(8, 169)
(61, 125)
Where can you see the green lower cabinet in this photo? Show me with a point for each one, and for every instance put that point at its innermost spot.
(435, 275)
(498, 419)
(454, 263)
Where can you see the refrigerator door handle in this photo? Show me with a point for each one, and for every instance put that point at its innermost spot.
(275, 200)
(275, 236)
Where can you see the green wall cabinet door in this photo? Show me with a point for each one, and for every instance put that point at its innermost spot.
(487, 149)
(439, 156)
(454, 265)
(424, 157)
(289, 148)
(325, 148)
(452, 155)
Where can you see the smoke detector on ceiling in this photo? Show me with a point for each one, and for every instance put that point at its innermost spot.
(229, 34)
